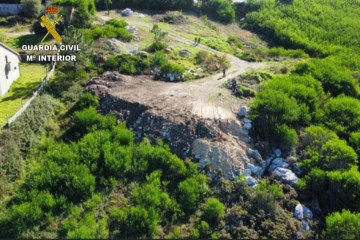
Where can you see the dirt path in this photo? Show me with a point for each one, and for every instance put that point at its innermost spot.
(205, 97)
(15, 34)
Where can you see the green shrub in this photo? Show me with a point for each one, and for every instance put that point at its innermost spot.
(271, 112)
(266, 201)
(127, 68)
(222, 10)
(190, 191)
(117, 23)
(344, 225)
(159, 59)
(332, 76)
(201, 57)
(87, 100)
(214, 210)
(294, 53)
(157, 46)
(235, 41)
(172, 68)
(342, 115)
(345, 186)
(31, 8)
(204, 229)
(355, 142)
(244, 91)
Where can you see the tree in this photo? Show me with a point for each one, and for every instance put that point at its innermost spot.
(159, 34)
(355, 142)
(107, 2)
(271, 113)
(31, 8)
(336, 154)
(214, 210)
(72, 36)
(221, 9)
(82, 16)
(190, 191)
(345, 186)
(342, 115)
(344, 225)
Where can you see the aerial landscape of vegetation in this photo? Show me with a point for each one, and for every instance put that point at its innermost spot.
(184, 119)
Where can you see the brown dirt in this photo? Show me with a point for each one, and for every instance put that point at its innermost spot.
(172, 111)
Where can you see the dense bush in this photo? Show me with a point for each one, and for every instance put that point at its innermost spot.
(334, 154)
(318, 30)
(112, 29)
(344, 225)
(280, 51)
(31, 8)
(342, 115)
(214, 210)
(235, 41)
(190, 192)
(83, 14)
(272, 110)
(244, 91)
(222, 10)
(333, 78)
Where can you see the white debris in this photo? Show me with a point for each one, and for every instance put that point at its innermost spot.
(286, 176)
(307, 213)
(252, 182)
(127, 12)
(278, 162)
(299, 212)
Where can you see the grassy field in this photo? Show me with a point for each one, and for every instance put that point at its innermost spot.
(30, 77)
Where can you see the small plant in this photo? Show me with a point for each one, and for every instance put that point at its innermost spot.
(235, 41)
(244, 91)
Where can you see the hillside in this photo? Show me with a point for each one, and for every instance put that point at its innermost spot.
(319, 117)
(189, 124)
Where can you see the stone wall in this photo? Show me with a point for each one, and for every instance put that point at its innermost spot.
(12, 9)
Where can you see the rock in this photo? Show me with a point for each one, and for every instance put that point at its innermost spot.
(111, 44)
(278, 152)
(252, 182)
(202, 163)
(205, 130)
(307, 213)
(305, 226)
(278, 162)
(200, 70)
(256, 170)
(247, 172)
(254, 154)
(142, 54)
(131, 29)
(141, 16)
(247, 124)
(111, 76)
(291, 159)
(185, 53)
(286, 176)
(299, 212)
(297, 169)
(167, 50)
(268, 161)
(127, 12)
(243, 111)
